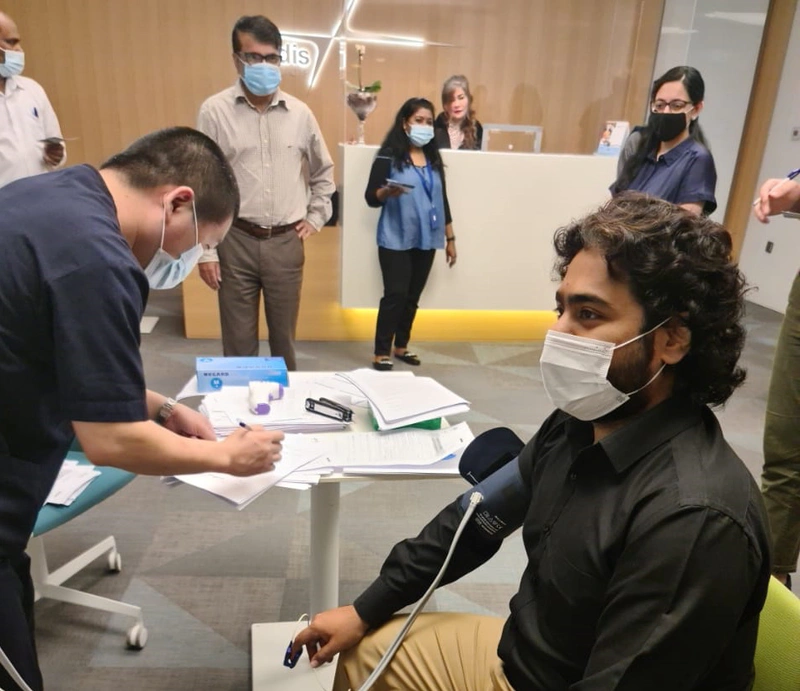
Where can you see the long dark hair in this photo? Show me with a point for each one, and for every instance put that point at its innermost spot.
(468, 124)
(396, 144)
(696, 88)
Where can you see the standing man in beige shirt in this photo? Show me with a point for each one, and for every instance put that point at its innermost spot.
(268, 136)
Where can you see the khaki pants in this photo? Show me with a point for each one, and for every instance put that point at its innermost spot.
(441, 652)
(251, 267)
(780, 479)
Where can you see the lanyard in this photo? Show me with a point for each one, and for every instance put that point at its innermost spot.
(427, 179)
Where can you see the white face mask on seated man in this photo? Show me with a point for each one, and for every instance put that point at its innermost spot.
(575, 374)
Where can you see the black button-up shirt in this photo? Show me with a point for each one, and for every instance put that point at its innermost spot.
(648, 559)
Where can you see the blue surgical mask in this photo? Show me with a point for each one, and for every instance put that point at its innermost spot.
(164, 271)
(261, 79)
(420, 135)
(14, 64)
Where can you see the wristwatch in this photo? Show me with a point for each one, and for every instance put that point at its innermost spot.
(166, 410)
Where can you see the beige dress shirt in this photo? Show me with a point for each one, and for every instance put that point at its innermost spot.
(268, 152)
(26, 117)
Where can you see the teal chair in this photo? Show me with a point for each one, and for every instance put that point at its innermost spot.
(777, 659)
(50, 584)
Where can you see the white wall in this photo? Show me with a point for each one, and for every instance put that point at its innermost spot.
(721, 38)
(505, 209)
(772, 274)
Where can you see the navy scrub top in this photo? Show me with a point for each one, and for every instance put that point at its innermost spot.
(682, 175)
(71, 299)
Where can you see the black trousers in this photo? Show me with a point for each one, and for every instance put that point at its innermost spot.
(16, 622)
(405, 273)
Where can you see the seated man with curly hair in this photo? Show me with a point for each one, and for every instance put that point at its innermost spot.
(648, 554)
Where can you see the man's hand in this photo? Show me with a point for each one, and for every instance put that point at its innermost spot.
(211, 274)
(336, 630)
(776, 196)
(190, 423)
(252, 451)
(304, 229)
(53, 153)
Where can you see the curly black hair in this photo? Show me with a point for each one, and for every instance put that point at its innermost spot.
(679, 265)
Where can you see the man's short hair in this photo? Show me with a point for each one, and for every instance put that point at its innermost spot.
(261, 28)
(676, 264)
(182, 156)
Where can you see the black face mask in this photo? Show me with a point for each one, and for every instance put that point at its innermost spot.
(667, 126)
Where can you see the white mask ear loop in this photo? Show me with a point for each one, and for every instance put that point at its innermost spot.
(163, 224)
(196, 227)
(663, 364)
(650, 381)
(636, 338)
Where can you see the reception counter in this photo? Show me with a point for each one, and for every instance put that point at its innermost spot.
(505, 207)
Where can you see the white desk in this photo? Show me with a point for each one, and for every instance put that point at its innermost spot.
(268, 641)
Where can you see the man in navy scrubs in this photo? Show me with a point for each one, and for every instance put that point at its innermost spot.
(79, 250)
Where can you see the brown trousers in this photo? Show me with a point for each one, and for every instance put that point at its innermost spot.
(251, 267)
(442, 652)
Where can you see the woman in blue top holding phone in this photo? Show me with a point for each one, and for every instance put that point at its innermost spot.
(407, 181)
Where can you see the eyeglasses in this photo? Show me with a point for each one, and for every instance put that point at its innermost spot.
(257, 58)
(676, 106)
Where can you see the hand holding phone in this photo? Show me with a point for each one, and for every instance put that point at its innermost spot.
(402, 185)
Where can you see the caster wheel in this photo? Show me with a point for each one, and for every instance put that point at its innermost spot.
(137, 637)
(114, 561)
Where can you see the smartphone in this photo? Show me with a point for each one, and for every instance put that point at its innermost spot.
(397, 183)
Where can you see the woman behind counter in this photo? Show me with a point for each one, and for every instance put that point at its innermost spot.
(669, 158)
(407, 181)
(457, 127)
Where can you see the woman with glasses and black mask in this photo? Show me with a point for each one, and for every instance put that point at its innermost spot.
(669, 157)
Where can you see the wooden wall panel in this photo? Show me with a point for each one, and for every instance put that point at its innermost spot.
(116, 69)
(745, 185)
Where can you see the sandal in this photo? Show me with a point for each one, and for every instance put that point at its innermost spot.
(383, 365)
(409, 358)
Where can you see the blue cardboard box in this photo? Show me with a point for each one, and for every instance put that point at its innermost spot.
(215, 372)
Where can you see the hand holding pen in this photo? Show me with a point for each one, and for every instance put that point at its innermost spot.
(252, 450)
(777, 196)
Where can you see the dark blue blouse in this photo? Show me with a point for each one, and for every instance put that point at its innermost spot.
(682, 175)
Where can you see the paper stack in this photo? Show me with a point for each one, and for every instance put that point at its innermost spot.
(401, 401)
(72, 479)
(228, 407)
(303, 463)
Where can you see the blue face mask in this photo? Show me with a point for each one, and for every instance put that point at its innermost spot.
(14, 64)
(261, 79)
(420, 135)
(164, 271)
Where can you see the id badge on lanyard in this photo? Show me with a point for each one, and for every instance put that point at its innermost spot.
(427, 185)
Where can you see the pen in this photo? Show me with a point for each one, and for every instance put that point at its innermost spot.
(245, 426)
(790, 176)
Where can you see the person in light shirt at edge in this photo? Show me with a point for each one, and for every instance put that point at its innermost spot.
(669, 158)
(407, 182)
(456, 126)
(26, 116)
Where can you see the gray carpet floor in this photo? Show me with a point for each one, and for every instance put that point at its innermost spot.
(203, 571)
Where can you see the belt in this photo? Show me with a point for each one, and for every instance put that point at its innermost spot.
(263, 232)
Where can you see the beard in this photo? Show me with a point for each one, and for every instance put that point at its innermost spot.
(630, 373)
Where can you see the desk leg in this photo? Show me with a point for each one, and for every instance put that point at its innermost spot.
(324, 577)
